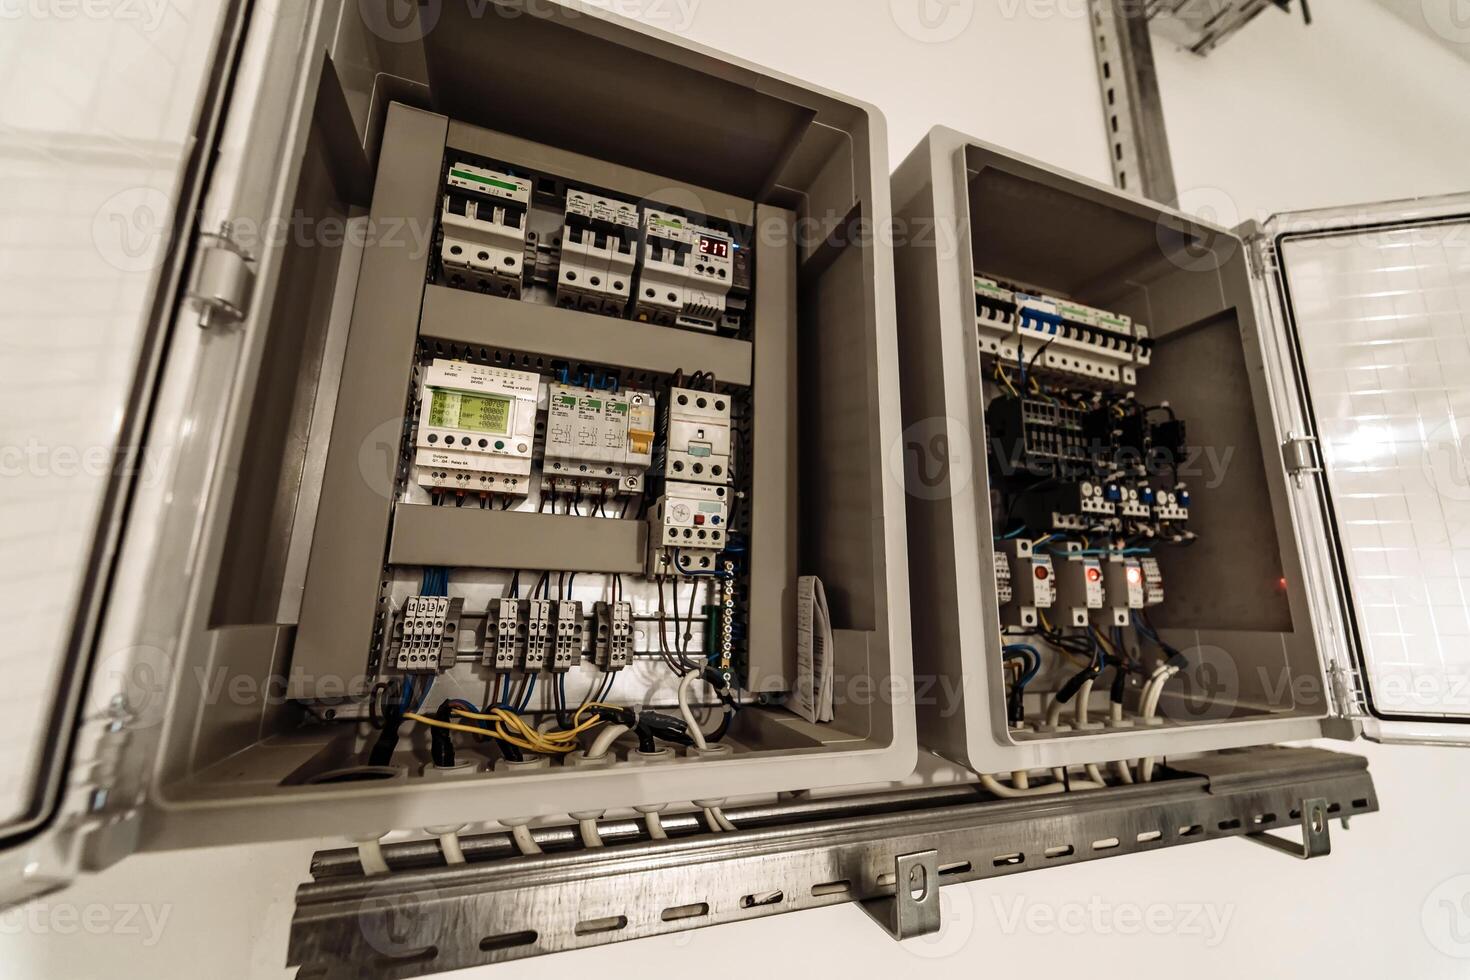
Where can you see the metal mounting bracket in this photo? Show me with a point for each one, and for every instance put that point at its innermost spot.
(913, 908)
(1316, 834)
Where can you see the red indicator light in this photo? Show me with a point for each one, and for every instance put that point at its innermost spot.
(1041, 572)
(1134, 576)
(1283, 583)
(1094, 574)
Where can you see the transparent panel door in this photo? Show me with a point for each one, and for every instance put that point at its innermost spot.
(1378, 304)
(96, 128)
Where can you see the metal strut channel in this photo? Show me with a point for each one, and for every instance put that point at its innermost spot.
(1132, 107)
(792, 857)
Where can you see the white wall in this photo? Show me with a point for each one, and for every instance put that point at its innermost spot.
(1358, 108)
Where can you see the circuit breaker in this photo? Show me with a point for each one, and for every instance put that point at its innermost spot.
(598, 253)
(484, 227)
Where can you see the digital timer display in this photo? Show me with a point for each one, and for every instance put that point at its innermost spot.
(474, 413)
(718, 247)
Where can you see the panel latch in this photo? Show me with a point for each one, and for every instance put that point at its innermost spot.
(223, 279)
(913, 910)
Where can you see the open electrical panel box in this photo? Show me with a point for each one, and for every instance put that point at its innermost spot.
(1190, 499)
(540, 442)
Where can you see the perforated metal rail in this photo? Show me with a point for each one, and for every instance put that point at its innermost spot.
(426, 918)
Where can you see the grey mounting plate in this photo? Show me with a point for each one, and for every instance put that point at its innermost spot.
(424, 917)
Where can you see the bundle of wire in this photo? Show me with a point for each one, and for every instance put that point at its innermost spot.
(511, 728)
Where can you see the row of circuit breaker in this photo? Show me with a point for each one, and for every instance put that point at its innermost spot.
(477, 434)
(520, 634)
(616, 258)
(1085, 589)
(1079, 341)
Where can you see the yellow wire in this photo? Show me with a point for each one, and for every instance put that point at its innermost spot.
(497, 732)
(1001, 376)
(512, 728)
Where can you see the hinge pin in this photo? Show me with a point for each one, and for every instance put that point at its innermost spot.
(223, 279)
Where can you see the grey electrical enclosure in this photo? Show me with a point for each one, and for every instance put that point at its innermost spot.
(316, 517)
(1248, 595)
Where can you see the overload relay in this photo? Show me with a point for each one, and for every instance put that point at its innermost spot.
(690, 521)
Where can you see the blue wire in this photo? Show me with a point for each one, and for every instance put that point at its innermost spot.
(526, 697)
(1022, 651)
(424, 696)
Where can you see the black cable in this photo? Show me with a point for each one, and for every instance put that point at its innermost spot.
(375, 708)
(689, 619)
(382, 751)
(441, 745)
(1034, 357)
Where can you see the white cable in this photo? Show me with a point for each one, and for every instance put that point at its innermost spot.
(1021, 779)
(591, 837)
(449, 844)
(603, 743)
(711, 822)
(655, 825)
(1150, 709)
(525, 843)
(1054, 713)
(1094, 774)
(1115, 713)
(1084, 695)
(695, 731)
(1152, 705)
(723, 820)
(996, 788)
(1124, 773)
(370, 856)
